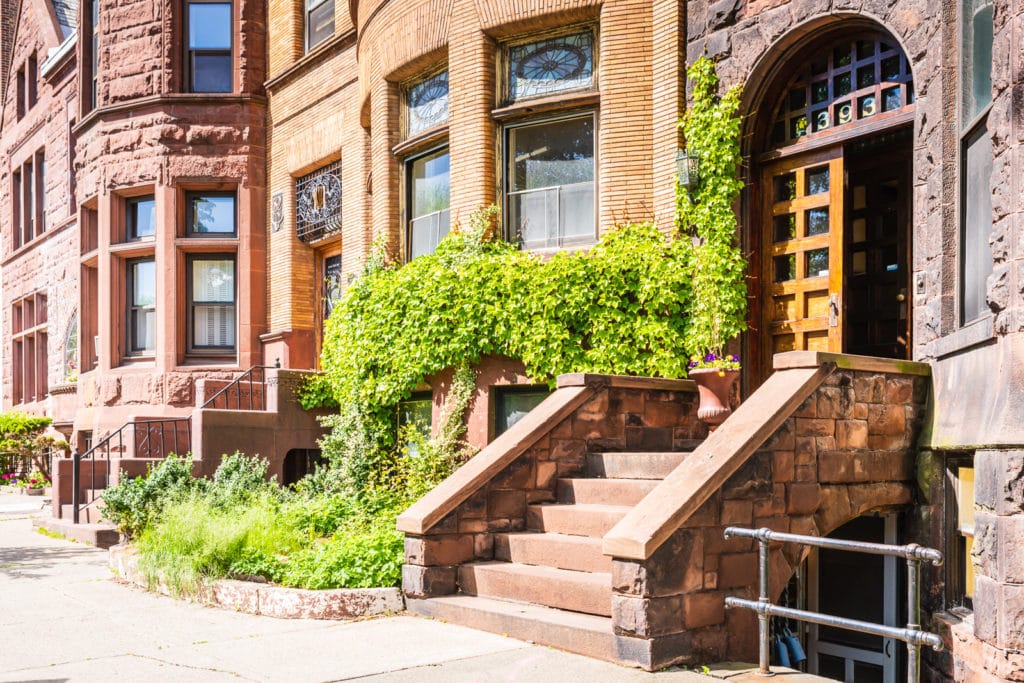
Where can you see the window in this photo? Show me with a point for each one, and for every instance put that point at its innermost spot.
(94, 52)
(960, 535)
(511, 404)
(319, 22)
(28, 185)
(429, 195)
(975, 157)
(20, 95)
(427, 104)
(140, 217)
(550, 182)
(32, 80)
(211, 302)
(141, 290)
(332, 283)
(415, 414)
(210, 213)
(318, 203)
(551, 66)
(71, 364)
(29, 349)
(209, 46)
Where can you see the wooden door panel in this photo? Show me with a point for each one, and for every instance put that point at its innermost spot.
(801, 266)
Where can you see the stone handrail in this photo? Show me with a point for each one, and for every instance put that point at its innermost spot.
(666, 508)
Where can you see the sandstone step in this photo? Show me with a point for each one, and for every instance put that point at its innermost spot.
(576, 520)
(578, 553)
(588, 592)
(633, 465)
(99, 535)
(90, 515)
(604, 491)
(583, 634)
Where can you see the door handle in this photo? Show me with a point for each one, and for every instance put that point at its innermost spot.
(888, 648)
(901, 297)
(833, 310)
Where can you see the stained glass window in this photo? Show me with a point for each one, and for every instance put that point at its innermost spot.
(318, 203)
(551, 66)
(843, 85)
(428, 103)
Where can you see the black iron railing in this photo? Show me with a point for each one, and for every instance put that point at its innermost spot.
(912, 635)
(248, 391)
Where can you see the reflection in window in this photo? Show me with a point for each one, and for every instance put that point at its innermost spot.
(976, 56)
(141, 306)
(427, 103)
(212, 302)
(513, 403)
(429, 195)
(415, 413)
(209, 46)
(332, 284)
(551, 66)
(211, 213)
(816, 221)
(140, 217)
(319, 22)
(551, 182)
(71, 365)
(817, 263)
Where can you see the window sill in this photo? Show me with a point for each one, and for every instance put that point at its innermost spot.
(137, 363)
(543, 105)
(229, 364)
(136, 248)
(421, 142)
(975, 333)
(547, 252)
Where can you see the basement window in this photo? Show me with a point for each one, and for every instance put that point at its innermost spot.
(511, 404)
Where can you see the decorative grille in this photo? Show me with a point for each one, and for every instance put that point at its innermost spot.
(318, 203)
(551, 66)
(428, 103)
(849, 83)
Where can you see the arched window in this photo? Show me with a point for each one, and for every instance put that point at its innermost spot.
(849, 84)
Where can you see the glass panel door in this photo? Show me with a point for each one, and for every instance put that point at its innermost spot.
(801, 266)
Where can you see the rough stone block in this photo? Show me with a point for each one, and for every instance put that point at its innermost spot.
(887, 420)
(804, 498)
(506, 504)
(852, 434)
(426, 582)
(663, 574)
(439, 550)
(703, 609)
(1010, 542)
(737, 570)
(1011, 617)
(782, 466)
(652, 654)
(647, 617)
(737, 512)
(815, 427)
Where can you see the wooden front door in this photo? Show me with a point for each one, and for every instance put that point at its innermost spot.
(802, 254)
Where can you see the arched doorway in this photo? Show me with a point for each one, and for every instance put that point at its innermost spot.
(830, 207)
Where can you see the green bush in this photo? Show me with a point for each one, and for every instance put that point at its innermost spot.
(136, 502)
(363, 557)
(238, 479)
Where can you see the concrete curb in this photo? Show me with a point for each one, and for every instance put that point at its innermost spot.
(270, 600)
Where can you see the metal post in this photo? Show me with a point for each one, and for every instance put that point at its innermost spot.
(76, 463)
(914, 619)
(762, 614)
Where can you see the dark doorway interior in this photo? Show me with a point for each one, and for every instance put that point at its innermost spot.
(298, 463)
(877, 249)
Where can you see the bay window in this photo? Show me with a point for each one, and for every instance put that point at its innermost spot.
(141, 288)
(429, 183)
(211, 302)
(209, 29)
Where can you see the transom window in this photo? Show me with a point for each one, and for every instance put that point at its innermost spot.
(319, 22)
(429, 181)
(427, 103)
(318, 203)
(209, 46)
(210, 213)
(846, 84)
(550, 182)
(551, 66)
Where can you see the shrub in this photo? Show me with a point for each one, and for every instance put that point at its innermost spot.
(239, 478)
(362, 557)
(135, 503)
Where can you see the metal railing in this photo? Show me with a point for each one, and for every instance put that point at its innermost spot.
(256, 376)
(151, 436)
(912, 635)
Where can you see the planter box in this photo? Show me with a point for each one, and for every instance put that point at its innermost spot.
(33, 492)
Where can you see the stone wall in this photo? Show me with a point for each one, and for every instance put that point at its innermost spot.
(846, 451)
(612, 419)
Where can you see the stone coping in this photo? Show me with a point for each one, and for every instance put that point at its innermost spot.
(580, 379)
(269, 600)
(848, 361)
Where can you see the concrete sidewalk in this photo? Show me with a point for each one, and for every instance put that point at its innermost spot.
(65, 619)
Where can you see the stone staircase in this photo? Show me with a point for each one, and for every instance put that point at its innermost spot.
(551, 583)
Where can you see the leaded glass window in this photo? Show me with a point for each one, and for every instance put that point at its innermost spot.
(318, 203)
(845, 84)
(551, 66)
(427, 103)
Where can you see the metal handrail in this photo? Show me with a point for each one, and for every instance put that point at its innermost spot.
(250, 374)
(912, 635)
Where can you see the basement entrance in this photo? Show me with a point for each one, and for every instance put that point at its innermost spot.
(835, 216)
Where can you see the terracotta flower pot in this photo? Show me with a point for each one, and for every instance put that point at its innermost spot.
(715, 387)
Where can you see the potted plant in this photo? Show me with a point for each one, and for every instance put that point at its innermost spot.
(34, 484)
(705, 213)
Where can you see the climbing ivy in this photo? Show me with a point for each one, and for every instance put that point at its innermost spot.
(707, 215)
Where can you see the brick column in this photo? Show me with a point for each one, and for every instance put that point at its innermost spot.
(384, 129)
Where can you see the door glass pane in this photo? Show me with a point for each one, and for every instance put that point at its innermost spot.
(839, 570)
(816, 221)
(785, 187)
(785, 227)
(785, 267)
(868, 673)
(817, 263)
(209, 25)
(817, 180)
(332, 284)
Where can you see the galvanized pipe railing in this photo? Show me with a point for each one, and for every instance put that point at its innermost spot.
(912, 635)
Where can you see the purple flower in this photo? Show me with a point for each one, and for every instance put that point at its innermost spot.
(710, 358)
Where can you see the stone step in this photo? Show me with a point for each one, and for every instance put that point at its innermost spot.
(604, 491)
(578, 553)
(633, 465)
(90, 515)
(576, 520)
(588, 592)
(583, 634)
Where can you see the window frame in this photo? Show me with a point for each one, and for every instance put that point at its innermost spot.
(131, 218)
(508, 173)
(189, 70)
(29, 348)
(131, 308)
(505, 73)
(407, 172)
(499, 394)
(425, 396)
(191, 195)
(308, 7)
(192, 349)
(957, 555)
(94, 53)
(966, 130)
